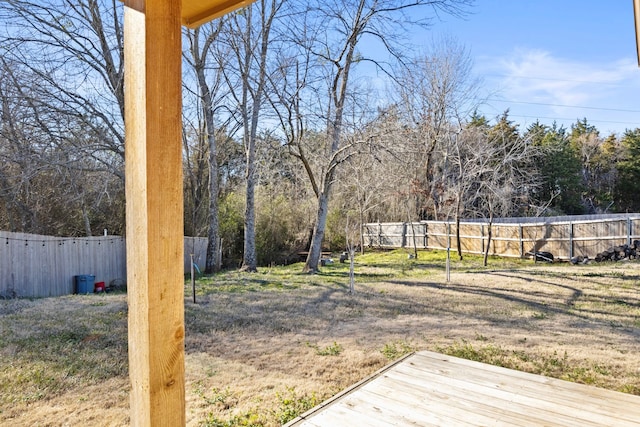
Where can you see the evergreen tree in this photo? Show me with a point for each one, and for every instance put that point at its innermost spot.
(478, 120)
(560, 171)
(504, 132)
(628, 182)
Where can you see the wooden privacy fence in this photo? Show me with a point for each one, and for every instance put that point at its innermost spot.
(35, 266)
(564, 239)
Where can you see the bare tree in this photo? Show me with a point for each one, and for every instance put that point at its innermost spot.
(466, 162)
(501, 173)
(436, 92)
(200, 51)
(334, 51)
(19, 166)
(65, 59)
(250, 40)
(370, 181)
(363, 187)
(47, 186)
(75, 51)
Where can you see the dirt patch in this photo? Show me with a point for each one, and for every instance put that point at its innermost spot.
(261, 347)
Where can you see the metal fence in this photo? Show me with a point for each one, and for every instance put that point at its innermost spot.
(564, 238)
(34, 266)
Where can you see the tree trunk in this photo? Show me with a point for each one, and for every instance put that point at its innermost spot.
(315, 251)
(486, 249)
(213, 263)
(361, 228)
(250, 260)
(352, 285)
(458, 242)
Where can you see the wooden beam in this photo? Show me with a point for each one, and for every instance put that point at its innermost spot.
(636, 15)
(197, 12)
(155, 279)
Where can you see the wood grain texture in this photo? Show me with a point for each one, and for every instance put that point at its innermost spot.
(636, 15)
(197, 12)
(154, 213)
(430, 389)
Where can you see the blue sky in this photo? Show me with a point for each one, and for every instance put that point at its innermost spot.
(553, 60)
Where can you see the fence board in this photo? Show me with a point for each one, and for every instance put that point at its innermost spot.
(438, 234)
(42, 266)
(470, 240)
(510, 238)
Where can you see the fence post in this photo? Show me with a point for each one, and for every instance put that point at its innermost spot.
(193, 280)
(570, 239)
(404, 235)
(521, 241)
(425, 238)
(629, 226)
(448, 264)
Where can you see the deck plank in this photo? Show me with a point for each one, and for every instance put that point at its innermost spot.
(428, 360)
(475, 398)
(431, 389)
(543, 389)
(434, 403)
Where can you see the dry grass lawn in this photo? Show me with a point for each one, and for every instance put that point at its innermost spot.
(262, 348)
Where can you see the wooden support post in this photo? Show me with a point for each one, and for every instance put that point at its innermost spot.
(426, 235)
(193, 279)
(571, 250)
(155, 246)
(521, 236)
(404, 235)
(636, 15)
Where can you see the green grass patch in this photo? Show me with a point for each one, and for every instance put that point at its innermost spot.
(401, 260)
(371, 267)
(397, 349)
(244, 282)
(290, 404)
(247, 419)
(556, 364)
(489, 353)
(330, 350)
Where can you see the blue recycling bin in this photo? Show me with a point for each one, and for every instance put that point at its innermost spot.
(84, 283)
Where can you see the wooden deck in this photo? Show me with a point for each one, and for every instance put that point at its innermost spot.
(430, 389)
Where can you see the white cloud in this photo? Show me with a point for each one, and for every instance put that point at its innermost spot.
(536, 77)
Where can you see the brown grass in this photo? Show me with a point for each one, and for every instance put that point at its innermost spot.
(261, 348)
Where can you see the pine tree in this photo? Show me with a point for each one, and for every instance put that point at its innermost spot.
(560, 169)
(628, 183)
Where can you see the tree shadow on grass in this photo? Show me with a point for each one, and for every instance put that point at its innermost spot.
(532, 301)
(357, 274)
